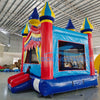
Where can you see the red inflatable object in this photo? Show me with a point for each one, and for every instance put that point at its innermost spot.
(46, 51)
(1, 67)
(92, 71)
(22, 61)
(19, 80)
(14, 76)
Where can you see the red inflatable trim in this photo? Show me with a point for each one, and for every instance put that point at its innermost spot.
(14, 76)
(92, 70)
(22, 61)
(19, 80)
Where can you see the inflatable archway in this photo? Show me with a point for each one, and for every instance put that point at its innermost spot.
(97, 63)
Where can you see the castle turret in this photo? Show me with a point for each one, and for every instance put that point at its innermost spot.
(87, 29)
(47, 18)
(34, 18)
(24, 33)
(70, 26)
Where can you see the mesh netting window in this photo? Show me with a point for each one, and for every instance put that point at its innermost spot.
(71, 56)
(31, 56)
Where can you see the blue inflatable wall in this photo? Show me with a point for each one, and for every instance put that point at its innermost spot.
(35, 69)
(70, 36)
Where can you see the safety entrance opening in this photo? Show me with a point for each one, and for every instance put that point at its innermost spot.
(31, 56)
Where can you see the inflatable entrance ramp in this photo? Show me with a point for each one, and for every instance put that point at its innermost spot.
(19, 82)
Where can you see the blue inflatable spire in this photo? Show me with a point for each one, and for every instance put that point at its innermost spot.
(70, 25)
(86, 27)
(34, 18)
(47, 14)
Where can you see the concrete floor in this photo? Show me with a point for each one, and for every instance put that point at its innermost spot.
(84, 94)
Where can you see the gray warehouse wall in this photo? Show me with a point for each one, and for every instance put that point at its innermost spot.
(8, 57)
(7, 54)
(14, 41)
(4, 39)
(15, 44)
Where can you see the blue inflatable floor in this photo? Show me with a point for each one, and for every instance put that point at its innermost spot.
(22, 87)
(63, 84)
(57, 85)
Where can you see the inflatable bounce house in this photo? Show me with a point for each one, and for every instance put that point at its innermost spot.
(54, 60)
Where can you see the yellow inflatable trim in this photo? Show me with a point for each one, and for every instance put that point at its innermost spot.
(97, 63)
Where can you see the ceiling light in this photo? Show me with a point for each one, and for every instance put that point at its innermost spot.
(8, 45)
(3, 31)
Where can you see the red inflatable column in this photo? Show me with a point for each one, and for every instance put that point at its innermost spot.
(46, 51)
(22, 59)
(87, 29)
(24, 34)
(92, 70)
(46, 18)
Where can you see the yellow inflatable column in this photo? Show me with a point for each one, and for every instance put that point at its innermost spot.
(97, 63)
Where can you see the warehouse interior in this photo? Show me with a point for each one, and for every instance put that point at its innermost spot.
(14, 14)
